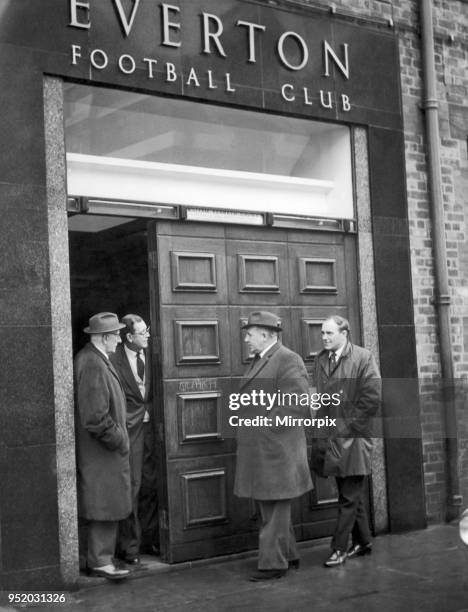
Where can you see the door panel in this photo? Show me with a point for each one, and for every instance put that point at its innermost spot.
(206, 281)
(195, 413)
(195, 341)
(192, 270)
(317, 278)
(205, 517)
(257, 273)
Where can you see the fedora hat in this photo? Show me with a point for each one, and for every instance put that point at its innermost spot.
(262, 318)
(103, 323)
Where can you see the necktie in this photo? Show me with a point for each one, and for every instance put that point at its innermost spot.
(254, 361)
(140, 364)
(332, 362)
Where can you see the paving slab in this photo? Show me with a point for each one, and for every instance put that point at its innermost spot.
(423, 571)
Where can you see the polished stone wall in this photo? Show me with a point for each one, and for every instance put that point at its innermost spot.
(61, 328)
(28, 468)
(368, 307)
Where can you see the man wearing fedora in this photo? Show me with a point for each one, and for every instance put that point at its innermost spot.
(103, 470)
(272, 465)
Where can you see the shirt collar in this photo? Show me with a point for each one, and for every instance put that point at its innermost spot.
(338, 352)
(98, 348)
(132, 354)
(266, 349)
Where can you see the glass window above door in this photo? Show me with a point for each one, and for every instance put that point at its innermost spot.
(182, 152)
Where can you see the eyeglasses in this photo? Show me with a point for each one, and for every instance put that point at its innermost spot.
(117, 334)
(143, 333)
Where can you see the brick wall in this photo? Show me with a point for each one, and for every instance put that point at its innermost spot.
(451, 57)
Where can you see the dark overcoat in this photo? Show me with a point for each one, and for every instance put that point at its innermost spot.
(103, 469)
(356, 379)
(272, 461)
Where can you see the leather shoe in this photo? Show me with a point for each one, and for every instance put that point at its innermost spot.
(358, 550)
(294, 563)
(268, 574)
(336, 558)
(110, 572)
(129, 559)
(132, 560)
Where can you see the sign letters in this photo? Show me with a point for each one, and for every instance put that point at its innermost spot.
(292, 51)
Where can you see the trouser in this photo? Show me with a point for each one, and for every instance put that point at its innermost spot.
(97, 542)
(352, 515)
(277, 542)
(129, 533)
(148, 500)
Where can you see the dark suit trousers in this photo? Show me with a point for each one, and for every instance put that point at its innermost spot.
(128, 541)
(148, 501)
(277, 542)
(352, 515)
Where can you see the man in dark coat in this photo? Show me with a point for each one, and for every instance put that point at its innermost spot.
(103, 469)
(272, 465)
(352, 373)
(131, 360)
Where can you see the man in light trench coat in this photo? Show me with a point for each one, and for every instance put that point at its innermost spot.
(103, 469)
(350, 371)
(272, 466)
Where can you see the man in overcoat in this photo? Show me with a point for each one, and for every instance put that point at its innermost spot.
(103, 469)
(351, 372)
(131, 360)
(272, 465)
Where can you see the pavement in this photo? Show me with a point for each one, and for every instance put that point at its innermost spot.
(421, 571)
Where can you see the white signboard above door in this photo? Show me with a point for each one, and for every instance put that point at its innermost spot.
(159, 183)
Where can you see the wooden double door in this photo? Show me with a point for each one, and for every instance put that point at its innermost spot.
(204, 281)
